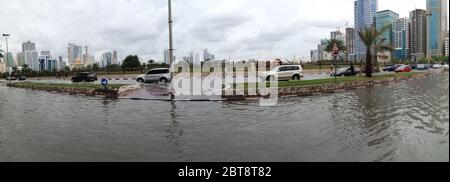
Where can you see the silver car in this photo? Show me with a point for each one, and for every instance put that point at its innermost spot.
(287, 72)
(160, 75)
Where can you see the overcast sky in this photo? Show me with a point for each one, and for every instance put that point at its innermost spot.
(239, 29)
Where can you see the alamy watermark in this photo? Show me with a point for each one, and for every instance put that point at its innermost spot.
(227, 79)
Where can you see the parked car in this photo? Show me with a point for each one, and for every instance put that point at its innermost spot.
(445, 66)
(404, 68)
(160, 75)
(422, 67)
(392, 68)
(437, 66)
(11, 78)
(84, 77)
(286, 72)
(22, 78)
(346, 72)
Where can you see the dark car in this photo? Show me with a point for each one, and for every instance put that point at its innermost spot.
(11, 78)
(84, 77)
(346, 72)
(22, 78)
(392, 68)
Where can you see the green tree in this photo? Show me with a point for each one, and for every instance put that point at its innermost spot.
(131, 62)
(370, 36)
(25, 70)
(1, 53)
(340, 44)
(95, 67)
(151, 62)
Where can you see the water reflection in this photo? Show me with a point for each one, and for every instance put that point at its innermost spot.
(402, 122)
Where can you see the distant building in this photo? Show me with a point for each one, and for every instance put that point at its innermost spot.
(446, 46)
(10, 60)
(323, 55)
(107, 59)
(30, 58)
(28, 46)
(115, 61)
(350, 34)
(314, 55)
(436, 25)
(401, 39)
(47, 63)
(61, 64)
(365, 12)
(386, 18)
(74, 55)
(207, 56)
(418, 34)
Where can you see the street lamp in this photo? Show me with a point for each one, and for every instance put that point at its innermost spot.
(172, 97)
(7, 52)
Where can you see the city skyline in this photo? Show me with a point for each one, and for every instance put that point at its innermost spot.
(254, 33)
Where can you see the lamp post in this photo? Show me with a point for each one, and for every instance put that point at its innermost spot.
(172, 97)
(7, 52)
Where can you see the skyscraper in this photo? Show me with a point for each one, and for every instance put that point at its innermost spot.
(418, 34)
(29, 56)
(28, 46)
(107, 58)
(115, 61)
(350, 42)
(386, 18)
(365, 14)
(436, 26)
(74, 57)
(401, 39)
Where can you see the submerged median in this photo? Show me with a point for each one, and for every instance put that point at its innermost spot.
(72, 88)
(320, 86)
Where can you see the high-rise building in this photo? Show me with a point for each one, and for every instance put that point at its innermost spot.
(10, 60)
(350, 42)
(28, 46)
(401, 39)
(207, 56)
(418, 34)
(46, 62)
(107, 58)
(314, 55)
(436, 26)
(446, 46)
(61, 63)
(365, 12)
(115, 61)
(386, 19)
(323, 55)
(75, 57)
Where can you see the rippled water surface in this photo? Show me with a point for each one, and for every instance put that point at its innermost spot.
(408, 121)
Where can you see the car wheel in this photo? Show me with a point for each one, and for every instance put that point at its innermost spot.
(270, 78)
(140, 80)
(163, 81)
(296, 77)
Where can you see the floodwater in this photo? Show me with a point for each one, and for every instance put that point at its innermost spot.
(408, 121)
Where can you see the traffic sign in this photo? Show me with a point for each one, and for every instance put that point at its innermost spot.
(335, 50)
(104, 83)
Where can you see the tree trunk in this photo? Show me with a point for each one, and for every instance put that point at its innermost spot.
(368, 63)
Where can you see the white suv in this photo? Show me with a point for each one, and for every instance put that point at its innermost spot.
(161, 75)
(287, 72)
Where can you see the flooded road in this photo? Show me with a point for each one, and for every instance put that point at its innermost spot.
(408, 121)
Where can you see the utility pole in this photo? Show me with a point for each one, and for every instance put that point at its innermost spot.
(7, 52)
(172, 96)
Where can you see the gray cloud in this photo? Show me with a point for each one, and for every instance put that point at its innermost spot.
(229, 28)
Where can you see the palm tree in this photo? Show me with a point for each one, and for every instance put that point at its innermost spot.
(1, 53)
(339, 43)
(370, 36)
